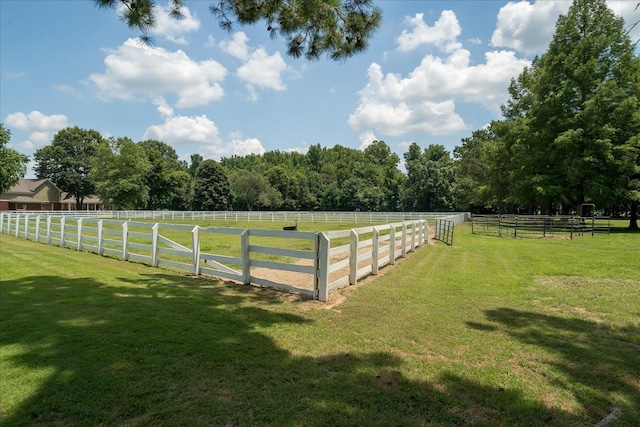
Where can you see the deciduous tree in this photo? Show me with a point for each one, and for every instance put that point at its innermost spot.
(13, 164)
(160, 179)
(212, 188)
(119, 172)
(572, 116)
(67, 161)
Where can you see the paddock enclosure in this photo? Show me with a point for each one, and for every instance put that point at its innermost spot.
(304, 262)
(520, 226)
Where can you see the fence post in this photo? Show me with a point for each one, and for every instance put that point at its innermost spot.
(403, 252)
(154, 245)
(38, 228)
(101, 239)
(353, 259)
(62, 223)
(17, 225)
(392, 245)
(246, 262)
(420, 233)
(49, 230)
(125, 241)
(195, 245)
(79, 234)
(413, 237)
(1, 221)
(571, 232)
(26, 227)
(322, 267)
(426, 232)
(375, 251)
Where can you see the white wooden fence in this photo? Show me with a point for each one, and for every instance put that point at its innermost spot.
(360, 218)
(330, 260)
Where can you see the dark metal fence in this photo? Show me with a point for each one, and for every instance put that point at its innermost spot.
(515, 226)
(444, 231)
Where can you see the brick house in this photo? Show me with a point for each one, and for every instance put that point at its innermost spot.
(42, 195)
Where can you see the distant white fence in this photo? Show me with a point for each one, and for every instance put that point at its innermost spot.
(328, 261)
(259, 216)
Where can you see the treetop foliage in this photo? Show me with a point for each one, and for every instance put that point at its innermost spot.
(338, 29)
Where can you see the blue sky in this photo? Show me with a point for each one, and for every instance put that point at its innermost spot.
(435, 71)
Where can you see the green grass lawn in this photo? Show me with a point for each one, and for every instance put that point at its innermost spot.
(487, 332)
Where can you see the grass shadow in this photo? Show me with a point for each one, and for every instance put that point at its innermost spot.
(169, 350)
(594, 362)
(154, 348)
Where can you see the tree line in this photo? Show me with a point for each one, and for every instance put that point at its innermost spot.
(569, 135)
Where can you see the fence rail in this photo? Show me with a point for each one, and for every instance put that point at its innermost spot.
(254, 216)
(328, 260)
(539, 225)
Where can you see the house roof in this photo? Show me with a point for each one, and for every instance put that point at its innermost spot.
(28, 186)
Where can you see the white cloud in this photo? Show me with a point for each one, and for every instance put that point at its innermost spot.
(302, 150)
(443, 34)
(184, 129)
(424, 100)
(236, 46)
(41, 126)
(258, 67)
(528, 27)
(366, 139)
(236, 144)
(36, 121)
(163, 107)
(37, 140)
(264, 70)
(174, 29)
(211, 41)
(135, 68)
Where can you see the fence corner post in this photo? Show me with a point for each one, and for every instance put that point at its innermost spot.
(125, 240)
(246, 261)
(195, 245)
(154, 245)
(353, 259)
(79, 234)
(100, 238)
(322, 267)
